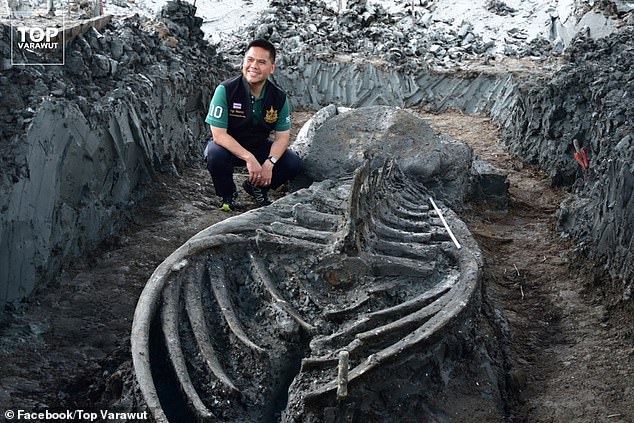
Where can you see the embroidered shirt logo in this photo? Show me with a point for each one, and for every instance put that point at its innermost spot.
(237, 106)
(271, 115)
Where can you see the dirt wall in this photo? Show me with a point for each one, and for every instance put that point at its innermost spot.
(78, 141)
(590, 99)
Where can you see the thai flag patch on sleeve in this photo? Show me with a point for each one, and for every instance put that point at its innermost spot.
(237, 106)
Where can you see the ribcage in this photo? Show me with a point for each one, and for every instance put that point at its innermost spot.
(247, 321)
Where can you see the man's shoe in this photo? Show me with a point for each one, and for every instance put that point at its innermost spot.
(259, 194)
(229, 203)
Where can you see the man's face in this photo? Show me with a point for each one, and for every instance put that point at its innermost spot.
(257, 65)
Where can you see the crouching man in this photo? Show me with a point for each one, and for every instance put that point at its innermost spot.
(243, 112)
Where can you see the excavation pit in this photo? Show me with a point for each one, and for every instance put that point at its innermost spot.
(540, 114)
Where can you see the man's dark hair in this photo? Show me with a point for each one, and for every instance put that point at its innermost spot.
(265, 44)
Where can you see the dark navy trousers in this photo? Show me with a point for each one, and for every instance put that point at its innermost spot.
(220, 163)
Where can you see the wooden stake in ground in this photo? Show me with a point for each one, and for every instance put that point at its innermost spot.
(342, 376)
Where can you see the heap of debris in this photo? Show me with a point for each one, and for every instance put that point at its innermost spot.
(363, 30)
(406, 40)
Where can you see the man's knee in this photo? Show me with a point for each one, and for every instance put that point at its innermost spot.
(218, 159)
(294, 164)
(210, 166)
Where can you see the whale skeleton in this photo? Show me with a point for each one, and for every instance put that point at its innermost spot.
(360, 265)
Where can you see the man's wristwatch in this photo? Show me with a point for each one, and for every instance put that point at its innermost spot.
(272, 159)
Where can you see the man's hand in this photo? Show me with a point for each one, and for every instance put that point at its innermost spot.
(260, 175)
(267, 173)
